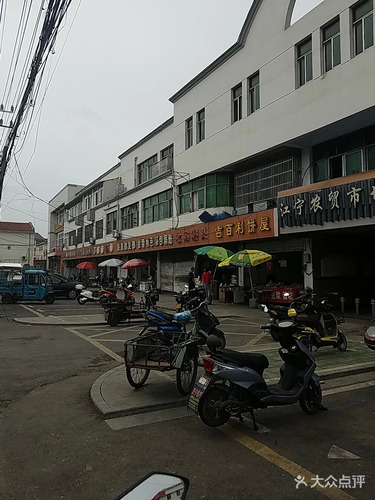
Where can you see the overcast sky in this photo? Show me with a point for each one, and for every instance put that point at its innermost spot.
(115, 66)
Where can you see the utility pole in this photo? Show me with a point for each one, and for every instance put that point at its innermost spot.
(54, 15)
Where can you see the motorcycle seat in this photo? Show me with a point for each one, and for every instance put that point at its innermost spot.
(112, 290)
(259, 362)
(168, 317)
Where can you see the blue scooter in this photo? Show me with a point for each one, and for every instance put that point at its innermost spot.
(172, 327)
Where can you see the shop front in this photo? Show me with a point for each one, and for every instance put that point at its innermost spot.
(337, 217)
(171, 252)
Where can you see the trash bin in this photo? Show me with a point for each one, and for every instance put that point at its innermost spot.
(215, 290)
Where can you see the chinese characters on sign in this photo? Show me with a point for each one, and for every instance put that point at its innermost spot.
(331, 204)
(256, 225)
(343, 482)
(250, 227)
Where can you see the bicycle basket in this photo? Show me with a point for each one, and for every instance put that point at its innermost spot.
(206, 320)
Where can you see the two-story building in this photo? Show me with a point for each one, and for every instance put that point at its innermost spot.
(272, 146)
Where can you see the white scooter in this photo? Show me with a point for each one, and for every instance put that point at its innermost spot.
(89, 296)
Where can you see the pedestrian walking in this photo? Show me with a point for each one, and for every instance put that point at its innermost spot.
(191, 279)
(207, 284)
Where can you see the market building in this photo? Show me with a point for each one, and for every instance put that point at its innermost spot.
(258, 146)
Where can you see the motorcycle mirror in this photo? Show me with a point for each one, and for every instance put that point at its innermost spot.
(157, 485)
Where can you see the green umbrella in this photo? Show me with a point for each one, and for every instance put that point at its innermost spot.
(247, 258)
(214, 253)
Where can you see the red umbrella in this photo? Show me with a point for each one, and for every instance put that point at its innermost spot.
(135, 263)
(87, 265)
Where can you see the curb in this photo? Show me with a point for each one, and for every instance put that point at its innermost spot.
(107, 412)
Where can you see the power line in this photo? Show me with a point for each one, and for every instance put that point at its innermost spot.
(55, 13)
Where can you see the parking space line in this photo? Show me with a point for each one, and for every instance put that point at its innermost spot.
(98, 345)
(107, 351)
(282, 462)
(30, 309)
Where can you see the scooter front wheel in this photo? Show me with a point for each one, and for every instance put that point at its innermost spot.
(209, 411)
(81, 300)
(342, 343)
(311, 399)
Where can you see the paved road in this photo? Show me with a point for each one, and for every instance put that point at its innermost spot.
(54, 445)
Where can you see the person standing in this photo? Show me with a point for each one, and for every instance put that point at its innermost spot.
(207, 284)
(191, 279)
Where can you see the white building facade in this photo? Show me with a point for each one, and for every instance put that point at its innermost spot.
(265, 137)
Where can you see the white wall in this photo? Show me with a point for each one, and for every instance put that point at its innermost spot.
(286, 112)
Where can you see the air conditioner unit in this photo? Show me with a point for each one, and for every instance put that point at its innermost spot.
(120, 189)
(91, 240)
(91, 214)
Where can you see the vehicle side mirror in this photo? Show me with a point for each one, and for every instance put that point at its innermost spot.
(157, 485)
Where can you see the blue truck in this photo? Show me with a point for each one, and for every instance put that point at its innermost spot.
(28, 285)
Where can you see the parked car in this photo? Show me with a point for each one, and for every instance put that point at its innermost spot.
(63, 287)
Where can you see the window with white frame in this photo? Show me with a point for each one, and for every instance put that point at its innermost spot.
(304, 62)
(237, 103)
(99, 229)
(158, 207)
(167, 152)
(130, 216)
(147, 169)
(331, 45)
(189, 133)
(254, 92)
(345, 155)
(111, 222)
(363, 26)
(200, 125)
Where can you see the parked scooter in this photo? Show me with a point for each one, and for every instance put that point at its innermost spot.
(173, 325)
(323, 322)
(91, 296)
(184, 299)
(233, 382)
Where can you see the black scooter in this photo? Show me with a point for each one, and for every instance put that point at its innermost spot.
(233, 382)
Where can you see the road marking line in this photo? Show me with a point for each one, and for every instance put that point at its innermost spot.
(352, 387)
(253, 341)
(97, 344)
(282, 462)
(28, 308)
(107, 351)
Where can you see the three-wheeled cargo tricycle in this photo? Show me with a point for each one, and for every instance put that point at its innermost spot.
(30, 285)
(154, 352)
